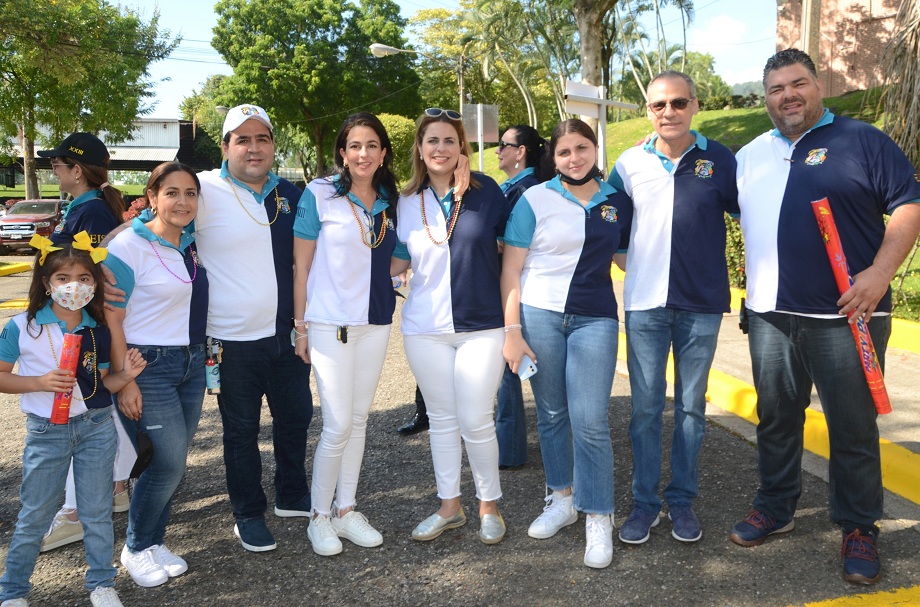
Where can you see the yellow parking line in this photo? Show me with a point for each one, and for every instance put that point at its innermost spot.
(902, 597)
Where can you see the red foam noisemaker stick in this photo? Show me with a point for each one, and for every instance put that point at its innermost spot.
(867, 356)
(70, 356)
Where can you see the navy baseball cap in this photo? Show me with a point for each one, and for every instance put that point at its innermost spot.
(85, 147)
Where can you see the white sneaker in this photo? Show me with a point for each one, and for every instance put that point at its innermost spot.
(559, 512)
(323, 536)
(355, 528)
(599, 540)
(173, 564)
(20, 602)
(63, 531)
(104, 597)
(143, 568)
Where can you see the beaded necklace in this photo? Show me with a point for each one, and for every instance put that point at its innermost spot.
(364, 235)
(194, 265)
(453, 220)
(242, 206)
(95, 374)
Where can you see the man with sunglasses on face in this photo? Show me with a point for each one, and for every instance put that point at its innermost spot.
(675, 293)
(799, 334)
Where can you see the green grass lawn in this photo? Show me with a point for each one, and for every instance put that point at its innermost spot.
(735, 128)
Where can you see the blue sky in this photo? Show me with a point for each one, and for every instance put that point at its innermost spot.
(738, 33)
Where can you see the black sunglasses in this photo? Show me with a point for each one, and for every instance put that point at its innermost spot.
(502, 144)
(435, 112)
(679, 103)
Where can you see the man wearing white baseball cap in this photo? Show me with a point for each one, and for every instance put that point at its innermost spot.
(244, 233)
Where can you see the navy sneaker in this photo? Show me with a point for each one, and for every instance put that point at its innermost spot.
(637, 528)
(754, 530)
(685, 527)
(300, 508)
(254, 535)
(861, 564)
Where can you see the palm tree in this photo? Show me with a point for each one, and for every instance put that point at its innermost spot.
(901, 98)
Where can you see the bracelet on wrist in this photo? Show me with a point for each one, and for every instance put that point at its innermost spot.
(300, 323)
(509, 328)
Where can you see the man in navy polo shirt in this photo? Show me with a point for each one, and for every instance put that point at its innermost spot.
(245, 237)
(675, 293)
(799, 334)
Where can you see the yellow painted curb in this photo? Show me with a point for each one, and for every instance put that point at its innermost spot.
(903, 597)
(15, 268)
(14, 304)
(904, 335)
(899, 465)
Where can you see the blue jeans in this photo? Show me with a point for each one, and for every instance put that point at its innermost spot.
(249, 370)
(90, 440)
(510, 422)
(790, 353)
(649, 336)
(576, 360)
(172, 387)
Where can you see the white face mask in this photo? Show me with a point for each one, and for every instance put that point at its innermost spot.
(73, 295)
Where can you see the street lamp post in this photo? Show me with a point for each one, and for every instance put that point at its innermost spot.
(384, 50)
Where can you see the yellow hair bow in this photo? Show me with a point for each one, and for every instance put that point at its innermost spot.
(44, 245)
(82, 241)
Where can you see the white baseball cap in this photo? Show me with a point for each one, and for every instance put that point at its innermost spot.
(241, 113)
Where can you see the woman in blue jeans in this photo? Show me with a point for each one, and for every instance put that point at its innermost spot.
(561, 311)
(156, 263)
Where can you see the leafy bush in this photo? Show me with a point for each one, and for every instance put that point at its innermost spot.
(401, 131)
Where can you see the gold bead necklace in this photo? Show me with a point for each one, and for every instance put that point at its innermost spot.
(453, 221)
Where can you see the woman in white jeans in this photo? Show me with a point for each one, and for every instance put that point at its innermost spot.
(452, 321)
(344, 237)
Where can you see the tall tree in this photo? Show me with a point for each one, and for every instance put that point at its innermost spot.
(301, 58)
(78, 65)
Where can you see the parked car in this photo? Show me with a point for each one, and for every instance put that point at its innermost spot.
(28, 217)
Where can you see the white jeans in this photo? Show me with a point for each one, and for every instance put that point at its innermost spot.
(346, 376)
(459, 374)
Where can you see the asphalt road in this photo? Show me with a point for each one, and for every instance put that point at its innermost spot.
(397, 491)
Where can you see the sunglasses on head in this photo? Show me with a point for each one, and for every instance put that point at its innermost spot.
(435, 112)
(502, 144)
(679, 103)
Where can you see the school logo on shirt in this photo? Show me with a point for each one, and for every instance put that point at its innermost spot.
(195, 259)
(816, 157)
(704, 169)
(390, 225)
(284, 205)
(89, 362)
(60, 227)
(609, 213)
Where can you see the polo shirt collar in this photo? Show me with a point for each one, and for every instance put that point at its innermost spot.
(380, 203)
(139, 225)
(599, 197)
(506, 185)
(46, 316)
(273, 181)
(826, 118)
(84, 197)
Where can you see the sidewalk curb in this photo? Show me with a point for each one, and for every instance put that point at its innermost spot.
(15, 268)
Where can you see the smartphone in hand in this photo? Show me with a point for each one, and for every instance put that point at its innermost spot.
(527, 368)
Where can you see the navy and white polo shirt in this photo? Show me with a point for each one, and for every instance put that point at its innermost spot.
(571, 247)
(90, 212)
(349, 282)
(165, 306)
(454, 286)
(250, 263)
(677, 244)
(37, 356)
(861, 172)
(515, 186)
